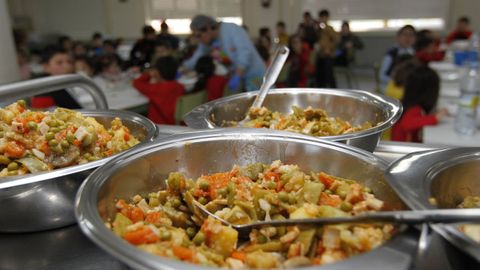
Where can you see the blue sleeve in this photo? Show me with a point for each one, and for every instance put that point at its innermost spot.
(199, 52)
(386, 63)
(244, 46)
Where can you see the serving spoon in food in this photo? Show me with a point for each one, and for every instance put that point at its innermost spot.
(400, 217)
(270, 77)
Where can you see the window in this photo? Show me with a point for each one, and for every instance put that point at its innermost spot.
(382, 15)
(180, 12)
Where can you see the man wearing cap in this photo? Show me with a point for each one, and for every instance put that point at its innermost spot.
(230, 46)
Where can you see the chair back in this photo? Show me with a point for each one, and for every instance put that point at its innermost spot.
(187, 102)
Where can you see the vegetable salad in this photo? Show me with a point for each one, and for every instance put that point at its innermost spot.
(164, 222)
(34, 141)
(310, 121)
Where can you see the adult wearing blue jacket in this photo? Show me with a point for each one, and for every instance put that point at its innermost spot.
(230, 45)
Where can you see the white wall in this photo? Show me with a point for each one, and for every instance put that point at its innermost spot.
(468, 8)
(9, 71)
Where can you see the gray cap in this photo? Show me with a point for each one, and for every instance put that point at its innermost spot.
(200, 22)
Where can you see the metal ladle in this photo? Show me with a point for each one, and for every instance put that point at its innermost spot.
(269, 79)
(401, 217)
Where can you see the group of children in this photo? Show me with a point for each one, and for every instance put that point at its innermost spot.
(408, 78)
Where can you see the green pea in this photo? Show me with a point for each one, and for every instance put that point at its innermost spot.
(11, 173)
(222, 191)
(231, 187)
(32, 125)
(346, 206)
(65, 144)
(202, 200)
(328, 191)
(53, 143)
(175, 203)
(4, 160)
(12, 166)
(342, 193)
(49, 136)
(261, 239)
(53, 123)
(191, 232)
(22, 102)
(70, 138)
(203, 184)
(87, 155)
(292, 199)
(165, 235)
(271, 185)
(54, 129)
(367, 190)
(199, 238)
(283, 196)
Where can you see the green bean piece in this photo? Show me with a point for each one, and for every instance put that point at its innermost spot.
(203, 200)
(222, 191)
(70, 138)
(199, 238)
(12, 166)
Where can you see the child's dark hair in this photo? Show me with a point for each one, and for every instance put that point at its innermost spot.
(323, 13)
(167, 66)
(49, 52)
(103, 62)
(85, 60)
(405, 28)
(421, 88)
(405, 64)
(464, 19)
(423, 43)
(205, 68)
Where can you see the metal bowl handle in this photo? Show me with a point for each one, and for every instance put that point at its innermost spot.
(198, 117)
(44, 85)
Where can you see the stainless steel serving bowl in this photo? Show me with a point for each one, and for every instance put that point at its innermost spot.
(354, 106)
(143, 170)
(446, 175)
(44, 201)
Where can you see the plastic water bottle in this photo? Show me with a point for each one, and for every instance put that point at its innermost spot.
(466, 119)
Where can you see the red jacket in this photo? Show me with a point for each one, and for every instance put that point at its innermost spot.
(458, 35)
(215, 87)
(409, 127)
(427, 57)
(163, 98)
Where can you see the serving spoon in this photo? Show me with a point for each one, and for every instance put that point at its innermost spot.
(400, 217)
(270, 77)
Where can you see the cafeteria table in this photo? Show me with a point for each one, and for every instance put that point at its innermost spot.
(68, 248)
(444, 134)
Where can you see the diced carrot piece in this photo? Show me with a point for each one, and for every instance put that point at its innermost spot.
(153, 218)
(239, 255)
(15, 149)
(331, 200)
(136, 214)
(326, 179)
(143, 235)
(183, 253)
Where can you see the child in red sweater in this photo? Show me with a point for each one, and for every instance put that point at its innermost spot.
(419, 100)
(161, 88)
(207, 80)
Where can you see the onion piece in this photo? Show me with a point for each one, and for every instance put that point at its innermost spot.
(33, 164)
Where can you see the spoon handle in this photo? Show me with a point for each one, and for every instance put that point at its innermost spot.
(405, 217)
(271, 75)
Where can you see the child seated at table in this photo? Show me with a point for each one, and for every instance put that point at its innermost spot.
(405, 65)
(208, 80)
(161, 88)
(55, 61)
(422, 88)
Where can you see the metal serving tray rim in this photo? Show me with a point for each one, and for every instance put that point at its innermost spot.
(96, 231)
(394, 107)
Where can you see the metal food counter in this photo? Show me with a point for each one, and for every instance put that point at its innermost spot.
(68, 248)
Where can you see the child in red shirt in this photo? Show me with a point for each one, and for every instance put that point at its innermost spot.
(161, 88)
(420, 97)
(207, 80)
